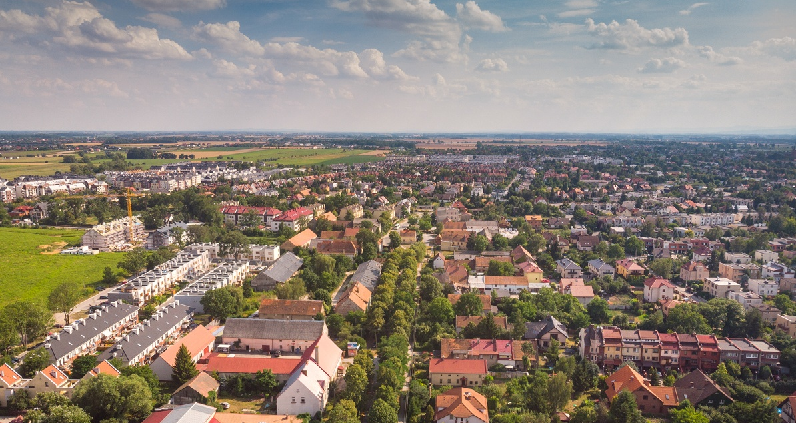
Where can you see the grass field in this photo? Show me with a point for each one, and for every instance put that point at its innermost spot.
(27, 274)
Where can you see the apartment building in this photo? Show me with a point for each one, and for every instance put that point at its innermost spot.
(226, 274)
(735, 271)
(185, 266)
(113, 235)
(746, 298)
(720, 287)
(787, 324)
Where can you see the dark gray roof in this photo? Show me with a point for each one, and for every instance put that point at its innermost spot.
(305, 330)
(535, 330)
(566, 263)
(82, 330)
(367, 274)
(283, 268)
(148, 332)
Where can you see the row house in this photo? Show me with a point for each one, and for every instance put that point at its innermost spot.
(227, 274)
(146, 339)
(235, 215)
(714, 219)
(754, 354)
(85, 335)
(137, 290)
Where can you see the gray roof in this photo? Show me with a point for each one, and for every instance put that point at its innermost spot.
(190, 413)
(284, 268)
(535, 330)
(367, 274)
(148, 333)
(88, 328)
(566, 263)
(599, 264)
(304, 330)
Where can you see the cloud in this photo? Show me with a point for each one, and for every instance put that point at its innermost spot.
(440, 35)
(708, 53)
(328, 62)
(162, 20)
(632, 36)
(227, 69)
(492, 65)
(180, 5)
(81, 28)
(691, 8)
(784, 48)
(472, 17)
(667, 65)
(579, 8)
(332, 42)
(439, 88)
(287, 39)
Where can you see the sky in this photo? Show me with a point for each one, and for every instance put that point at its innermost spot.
(621, 66)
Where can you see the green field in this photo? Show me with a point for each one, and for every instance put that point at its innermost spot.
(26, 274)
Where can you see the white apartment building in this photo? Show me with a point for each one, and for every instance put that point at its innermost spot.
(224, 275)
(763, 287)
(720, 287)
(187, 265)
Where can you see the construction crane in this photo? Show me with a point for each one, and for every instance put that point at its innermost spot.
(129, 194)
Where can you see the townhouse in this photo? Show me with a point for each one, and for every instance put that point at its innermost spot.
(227, 274)
(735, 272)
(199, 342)
(186, 265)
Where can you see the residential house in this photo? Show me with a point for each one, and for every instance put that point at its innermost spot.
(720, 287)
(735, 272)
(199, 342)
(505, 285)
(50, 379)
(272, 335)
(337, 246)
(599, 268)
(627, 268)
(787, 324)
(534, 221)
(788, 407)
(768, 313)
(306, 391)
(454, 239)
(104, 367)
(197, 389)
(355, 298)
(439, 261)
(746, 298)
(10, 381)
(408, 237)
(776, 271)
(583, 293)
(542, 333)
(587, 242)
(301, 239)
(367, 274)
(493, 351)
(763, 287)
(296, 219)
(456, 372)
(694, 271)
(568, 268)
(84, 335)
(461, 405)
(700, 390)
(531, 271)
(228, 365)
(280, 272)
(659, 289)
(650, 399)
(737, 258)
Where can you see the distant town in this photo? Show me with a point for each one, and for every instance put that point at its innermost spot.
(247, 278)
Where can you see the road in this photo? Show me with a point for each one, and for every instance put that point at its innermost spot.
(83, 306)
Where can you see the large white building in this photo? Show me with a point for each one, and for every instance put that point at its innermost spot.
(114, 235)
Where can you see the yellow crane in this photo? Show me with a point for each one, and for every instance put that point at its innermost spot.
(129, 194)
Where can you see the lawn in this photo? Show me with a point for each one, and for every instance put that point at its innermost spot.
(27, 274)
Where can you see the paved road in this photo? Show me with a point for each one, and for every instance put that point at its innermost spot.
(83, 306)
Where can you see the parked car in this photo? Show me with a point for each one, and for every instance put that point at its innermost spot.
(225, 405)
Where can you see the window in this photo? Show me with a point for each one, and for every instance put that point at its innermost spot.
(645, 397)
(303, 401)
(292, 400)
(449, 381)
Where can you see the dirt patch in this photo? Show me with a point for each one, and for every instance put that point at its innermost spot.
(54, 248)
(379, 153)
(201, 154)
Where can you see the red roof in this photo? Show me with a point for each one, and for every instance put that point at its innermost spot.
(293, 215)
(452, 365)
(231, 363)
(657, 283)
(262, 211)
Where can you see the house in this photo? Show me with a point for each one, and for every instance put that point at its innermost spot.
(237, 215)
(306, 391)
(776, 271)
(519, 255)
(534, 221)
(296, 219)
(456, 372)
(587, 242)
(788, 407)
(650, 399)
(737, 258)
(542, 333)
(531, 271)
(408, 236)
(84, 335)
(721, 287)
(699, 389)
(694, 271)
(272, 308)
(486, 302)
(197, 389)
(272, 335)
(367, 274)
(568, 268)
(786, 324)
(599, 268)
(199, 342)
(356, 298)
(463, 321)
(763, 287)
(461, 405)
(337, 246)
(584, 293)
(454, 239)
(768, 313)
(50, 379)
(659, 289)
(627, 268)
(104, 367)
(766, 256)
(228, 365)
(138, 346)
(200, 413)
(301, 239)
(493, 351)
(10, 381)
(511, 285)
(735, 272)
(280, 272)
(167, 235)
(439, 261)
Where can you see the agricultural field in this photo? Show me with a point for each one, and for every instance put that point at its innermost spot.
(30, 266)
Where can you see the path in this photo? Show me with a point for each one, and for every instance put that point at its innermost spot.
(84, 305)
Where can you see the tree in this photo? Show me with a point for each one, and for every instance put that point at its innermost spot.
(134, 261)
(624, 409)
(584, 413)
(469, 304)
(35, 360)
(146, 373)
(430, 288)
(265, 382)
(395, 239)
(83, 365)
(655, 379)
(686, 318)
(64, 298)
(382, 412)
(585, 376)
(184, 367)
(109, 277)
(478, 243)
(552, 354)
(500, 268)
(635, 246)
(345, 411)
(233, 243)
(616, 252)
(106, 397)
(293, 289)
(30, 320)
(440, 310)
(598, 310)
(356, 382)
(687, 414)
(60, 414)
(559, 391)
(223, 302)
(765, 373)
(662, 267)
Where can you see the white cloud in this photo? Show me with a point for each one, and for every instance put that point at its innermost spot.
(438, 89)
(180, 5)
(440, 34)
(231, 70)
(579, 8)
(229, 37)
(471, 16)
(575, 13)
(372, 61)
(492, 65)
(332, 42)
(667, 65)
(691, 8)
(81, 27)
(784, 48)
(632, 36)
(708, 53)
(162, 20)
(287, 39)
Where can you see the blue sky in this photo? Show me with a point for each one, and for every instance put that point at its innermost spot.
(398, 65)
